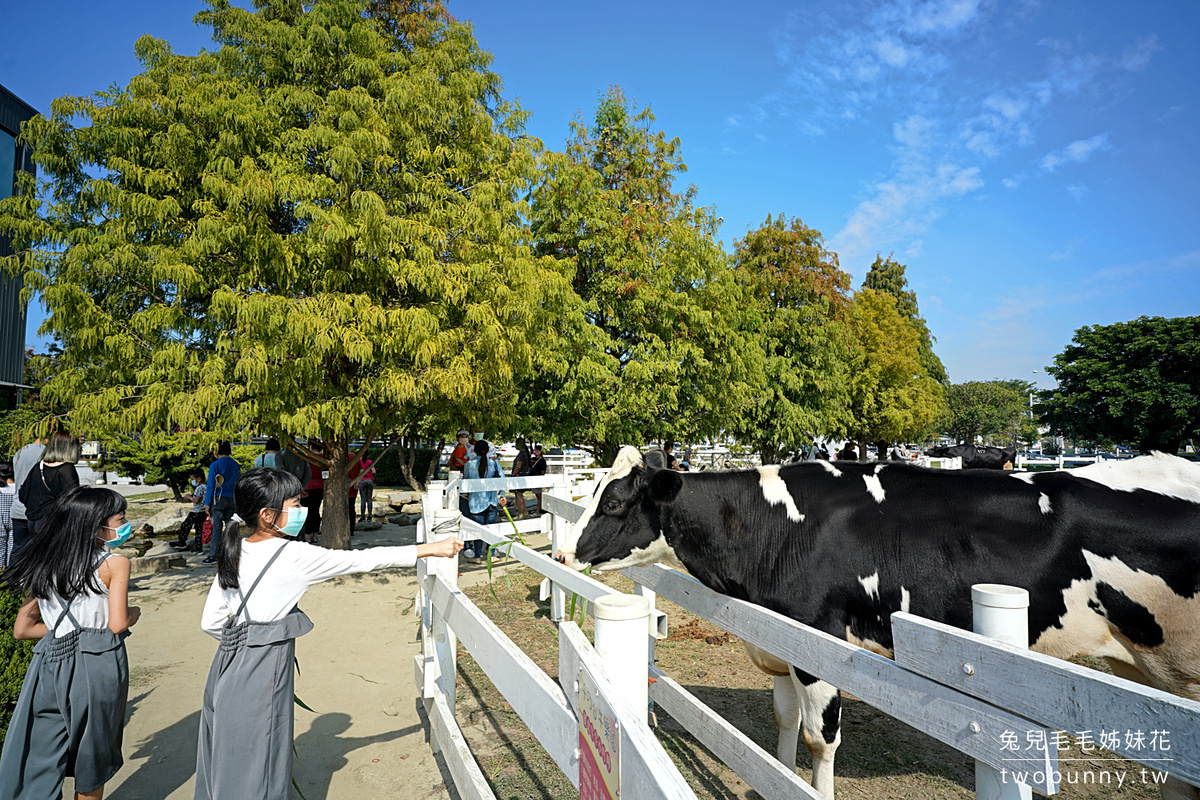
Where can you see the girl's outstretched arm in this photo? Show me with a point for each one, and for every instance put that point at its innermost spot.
(444, 548)
(121, 616)
(29, 624)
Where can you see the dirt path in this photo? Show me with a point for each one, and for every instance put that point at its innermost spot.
(365, 737)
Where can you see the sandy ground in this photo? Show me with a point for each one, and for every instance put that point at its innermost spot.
(365, 737)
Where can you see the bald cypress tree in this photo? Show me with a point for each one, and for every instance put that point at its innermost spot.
(313, 230)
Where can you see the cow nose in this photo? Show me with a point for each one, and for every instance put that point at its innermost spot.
(564, 558)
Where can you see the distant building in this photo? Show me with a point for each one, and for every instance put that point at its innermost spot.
(12, 311)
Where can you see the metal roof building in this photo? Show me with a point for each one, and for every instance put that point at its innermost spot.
(12, 311)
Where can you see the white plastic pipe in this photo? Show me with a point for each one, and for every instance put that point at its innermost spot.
(1002, 613)
(624, 646)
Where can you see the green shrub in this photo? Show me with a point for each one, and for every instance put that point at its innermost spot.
(14, 658)
(387, 470)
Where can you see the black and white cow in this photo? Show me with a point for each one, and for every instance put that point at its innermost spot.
(977, 457)
(1110, 555)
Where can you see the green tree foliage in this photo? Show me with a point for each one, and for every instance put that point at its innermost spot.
(14, 657)
(985, 408)
(655, 350)
(799, 307)
(314, 231)
(887, 275)
(892, 397)
(1134, 382)
(168, 458)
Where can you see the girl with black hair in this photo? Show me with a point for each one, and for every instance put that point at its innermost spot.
(246, 725)
(70, 715)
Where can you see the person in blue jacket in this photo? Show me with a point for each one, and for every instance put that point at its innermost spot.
(218, 495)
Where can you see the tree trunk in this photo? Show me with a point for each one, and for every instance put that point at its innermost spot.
(408, 463)
(431, 470)
(335, 518)
(882, 451)
(769, 453)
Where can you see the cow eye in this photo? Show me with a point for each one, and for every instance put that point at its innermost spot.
(611, 506)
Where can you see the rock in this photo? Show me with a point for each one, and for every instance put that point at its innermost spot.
(151, 564)
(161, 549)
(411, 508)
(168, 519)
(399, 499)
(404, 520)
(370, 525)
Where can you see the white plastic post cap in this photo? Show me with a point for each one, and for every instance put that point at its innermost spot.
(618, 607)
(997, 595)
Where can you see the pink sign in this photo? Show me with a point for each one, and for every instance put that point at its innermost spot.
(599, 746)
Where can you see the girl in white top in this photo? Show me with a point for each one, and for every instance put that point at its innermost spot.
(70, 715)
(246, 721)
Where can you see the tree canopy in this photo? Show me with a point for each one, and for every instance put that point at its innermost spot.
(892, 397)
(988, 409)
(887, 275)
(800, 322)
(1135, 382)
(655, 348)
(315, 230)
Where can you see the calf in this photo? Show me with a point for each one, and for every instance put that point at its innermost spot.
(977, 457)
(1110, 555)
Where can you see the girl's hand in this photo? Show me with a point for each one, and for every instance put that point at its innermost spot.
(503, 501)
(445, 548)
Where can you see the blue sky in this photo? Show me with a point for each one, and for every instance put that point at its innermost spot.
(1035, 164)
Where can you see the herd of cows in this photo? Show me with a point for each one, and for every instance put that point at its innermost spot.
(1109, 553)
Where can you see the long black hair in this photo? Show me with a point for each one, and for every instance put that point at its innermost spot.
(61, 557)
(257, 489)
(481, 450)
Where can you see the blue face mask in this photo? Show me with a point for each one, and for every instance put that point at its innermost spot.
(296, 518)
(123, 534)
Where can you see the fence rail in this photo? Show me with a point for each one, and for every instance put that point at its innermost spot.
(1007, 690)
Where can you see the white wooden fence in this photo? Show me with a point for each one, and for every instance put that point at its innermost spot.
(984, 698)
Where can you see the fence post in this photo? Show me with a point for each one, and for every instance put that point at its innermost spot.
(1002, 613)
(436, 492)
(560, 531)
(651, 630)
(445, 643)
(622, 623)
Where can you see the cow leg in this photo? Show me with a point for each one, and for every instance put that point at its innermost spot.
(821, 720)
(1174, 788)
(787, 719)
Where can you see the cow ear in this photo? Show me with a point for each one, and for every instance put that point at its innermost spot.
(664, 485)
(655, 459)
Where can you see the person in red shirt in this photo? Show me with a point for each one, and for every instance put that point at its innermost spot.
(461, 452)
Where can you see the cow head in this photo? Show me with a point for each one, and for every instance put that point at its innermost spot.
(621, 526)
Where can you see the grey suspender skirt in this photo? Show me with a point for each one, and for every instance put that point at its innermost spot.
(245, 743)
(70, 715)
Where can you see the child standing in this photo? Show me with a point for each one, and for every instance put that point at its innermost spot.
(246, 720)
(70, 714)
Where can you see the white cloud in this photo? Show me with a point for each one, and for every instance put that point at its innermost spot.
(1076, 152)
(941, 16)
(915, 132)
(1014, 181)
(1078, 190)
(892, 52)
(1137, 55)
